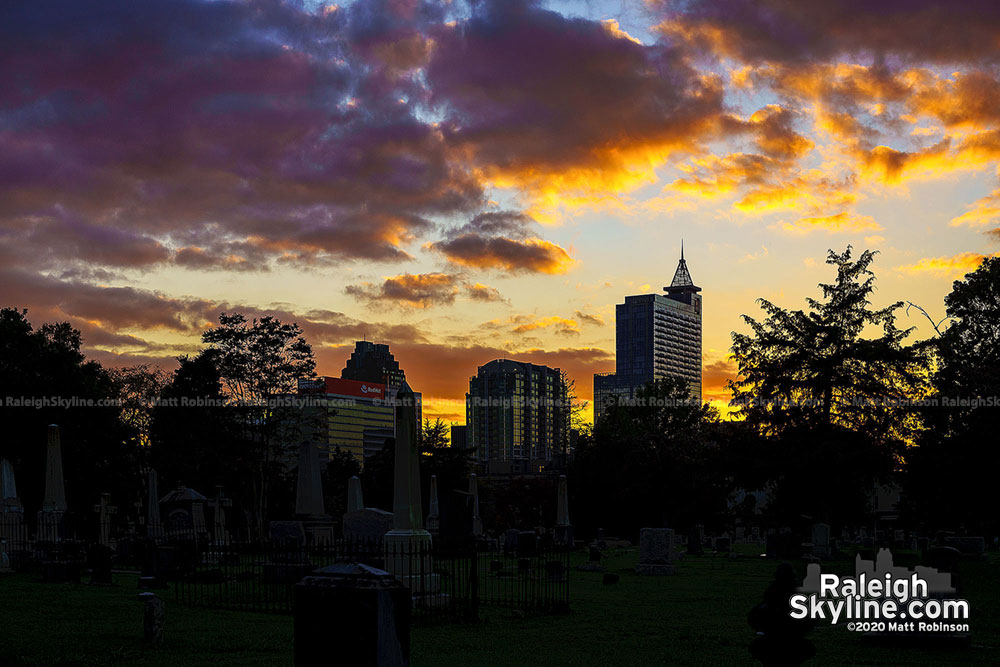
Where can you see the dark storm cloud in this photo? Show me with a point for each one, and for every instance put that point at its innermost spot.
(257, 117)
(502, 240)
(531, 95)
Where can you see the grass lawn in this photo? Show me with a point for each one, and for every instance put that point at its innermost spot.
(696, 617)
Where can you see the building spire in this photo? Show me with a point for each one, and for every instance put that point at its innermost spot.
(682, 277)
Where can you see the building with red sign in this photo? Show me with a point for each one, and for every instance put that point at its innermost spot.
(356, 416)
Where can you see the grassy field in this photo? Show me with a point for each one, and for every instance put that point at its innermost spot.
(696, 617)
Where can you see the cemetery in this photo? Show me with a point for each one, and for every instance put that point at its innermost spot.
(190, 585)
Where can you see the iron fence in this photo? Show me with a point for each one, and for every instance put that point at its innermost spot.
(448, 579)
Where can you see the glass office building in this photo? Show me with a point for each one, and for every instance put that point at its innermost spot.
(517, 416)
(657, 335)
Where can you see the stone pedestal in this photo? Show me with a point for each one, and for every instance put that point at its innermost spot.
(360, 613)
(50, 526)
(408, 558)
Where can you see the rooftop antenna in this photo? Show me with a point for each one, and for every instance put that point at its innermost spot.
(682, 248)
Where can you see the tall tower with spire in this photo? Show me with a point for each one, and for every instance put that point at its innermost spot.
(657, 335)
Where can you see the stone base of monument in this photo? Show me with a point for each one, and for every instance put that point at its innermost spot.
(408, 559)
(654, 569)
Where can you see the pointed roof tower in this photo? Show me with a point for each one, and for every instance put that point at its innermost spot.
(681, 287)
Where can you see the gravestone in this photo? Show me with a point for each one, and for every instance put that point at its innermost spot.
(723, 545)
(154, 526)
(5, 567)
(821, 540)
(593, 563)
(99, 562)
(154, 618)
(510, 541)
(104, 510)
(367, 524)
(563, 533)
(11, 509)
(184, 514)
(50, 518)
(696, 539)
(287, 563)
(355, 501)
(656, 551)
(360, 612)
(407, 546)
(477, 522)
(967, 546)
(286, 534)
(219, 505)
(433, 509)
(309, 497)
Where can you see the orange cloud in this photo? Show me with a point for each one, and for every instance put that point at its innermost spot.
(984, 211)
(481, 292)
(810, 192)
(842, 222)
(561, 324)
(420, 290)
(954, 266)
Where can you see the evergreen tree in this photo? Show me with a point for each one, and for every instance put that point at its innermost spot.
(829, 390)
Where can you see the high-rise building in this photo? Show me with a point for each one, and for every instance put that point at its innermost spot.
(657, 335)
(458, 436)
(354, 416)
(517, 416)
(372, 362)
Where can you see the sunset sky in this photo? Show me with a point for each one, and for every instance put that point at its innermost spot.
(466, 181)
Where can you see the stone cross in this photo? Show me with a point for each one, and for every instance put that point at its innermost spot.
(477, 522)
(104, 511)
(219, 506)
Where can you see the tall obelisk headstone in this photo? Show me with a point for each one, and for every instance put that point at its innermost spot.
(355, 499)
(11, 508)
(477, 522)
(154, 527)
(309, 509)
(563, 530)
(433, 509)
(50, 518)
(407, 545)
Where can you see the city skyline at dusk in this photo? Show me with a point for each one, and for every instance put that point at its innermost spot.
(467, 183)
